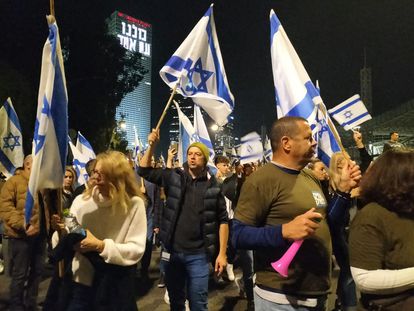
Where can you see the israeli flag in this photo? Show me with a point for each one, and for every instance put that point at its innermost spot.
(85, 147)
(198, 67)
(203, 136)
(251, 148)
(79, 163)
(50, 139)
(11, 140)
(186, 136)
(267, 154)
(296, 95)
(350, 113)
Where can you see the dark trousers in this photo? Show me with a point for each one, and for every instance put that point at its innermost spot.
(27, 262)
(146, 258)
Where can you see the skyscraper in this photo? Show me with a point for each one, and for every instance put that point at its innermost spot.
(135, 108)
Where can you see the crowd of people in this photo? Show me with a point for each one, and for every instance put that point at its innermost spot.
(246, 215)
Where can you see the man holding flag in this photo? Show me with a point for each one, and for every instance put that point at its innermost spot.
(283, 202)
(194, 229)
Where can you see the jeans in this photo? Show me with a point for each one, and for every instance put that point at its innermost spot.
(28, 257)
(188, 274)
(246, 264)
(261, 304)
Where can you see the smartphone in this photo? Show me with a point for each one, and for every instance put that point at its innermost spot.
(174, 145)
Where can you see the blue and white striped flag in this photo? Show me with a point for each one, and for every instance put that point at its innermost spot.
(350, 113)
(251, 148)
(79, 163)
(50, 141)
(11, 140)
(198, 66)
(295, 93)
(186, 137)
(85, 147)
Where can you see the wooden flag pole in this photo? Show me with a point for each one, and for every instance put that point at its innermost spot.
(174, 90)
(52, 7)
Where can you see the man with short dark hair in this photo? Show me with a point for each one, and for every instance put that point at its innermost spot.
(193, 228)
(223, 167)
(393, 142)
(283, 202)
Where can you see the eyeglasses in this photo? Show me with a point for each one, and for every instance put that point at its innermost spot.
(100, 174)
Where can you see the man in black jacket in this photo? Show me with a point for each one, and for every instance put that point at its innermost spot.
(194, 226)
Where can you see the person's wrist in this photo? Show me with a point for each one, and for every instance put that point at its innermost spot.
(101, 246)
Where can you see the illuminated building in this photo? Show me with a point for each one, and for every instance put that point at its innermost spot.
(135, 108)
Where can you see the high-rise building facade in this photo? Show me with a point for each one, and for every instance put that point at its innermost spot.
(135, 108)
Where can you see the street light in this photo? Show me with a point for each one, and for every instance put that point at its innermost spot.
(214, 127)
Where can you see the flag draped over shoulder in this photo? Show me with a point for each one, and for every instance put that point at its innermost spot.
(251, 148)
(350, 113)
(296, 95)
(85, 147)
(11, 140)
(51, 127)
(198, 67)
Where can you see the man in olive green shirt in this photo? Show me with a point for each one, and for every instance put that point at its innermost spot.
(281, 203)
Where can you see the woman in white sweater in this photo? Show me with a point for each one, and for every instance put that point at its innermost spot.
(113, 215)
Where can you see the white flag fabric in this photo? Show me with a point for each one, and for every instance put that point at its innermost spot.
(350, 113)
(295, 93)
(251, 148)
(198, 67)
(85, 147)
(11, 140)
(50, 141)
(267, 154)
(138, 147)
(79, 163)
(203, 136)
(186, 137)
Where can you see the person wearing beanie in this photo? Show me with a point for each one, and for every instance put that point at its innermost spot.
(194, 226)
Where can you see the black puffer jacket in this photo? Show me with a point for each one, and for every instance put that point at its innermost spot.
(214, 214)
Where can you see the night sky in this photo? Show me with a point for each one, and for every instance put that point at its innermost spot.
(329, 36)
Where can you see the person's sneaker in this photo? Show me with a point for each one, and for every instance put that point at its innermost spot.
(230, 273)
(161, 281)
(166, 297)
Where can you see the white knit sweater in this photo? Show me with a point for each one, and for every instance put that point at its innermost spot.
(124, 234)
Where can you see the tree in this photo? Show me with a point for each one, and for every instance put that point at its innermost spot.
(99, 72)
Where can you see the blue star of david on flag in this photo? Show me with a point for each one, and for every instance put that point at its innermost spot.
(11, 141)
(348, 114)
(203, 75)
(197, 67)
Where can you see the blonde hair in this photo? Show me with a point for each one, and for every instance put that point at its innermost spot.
(74, 175)
(335, 169)
(120, 177)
